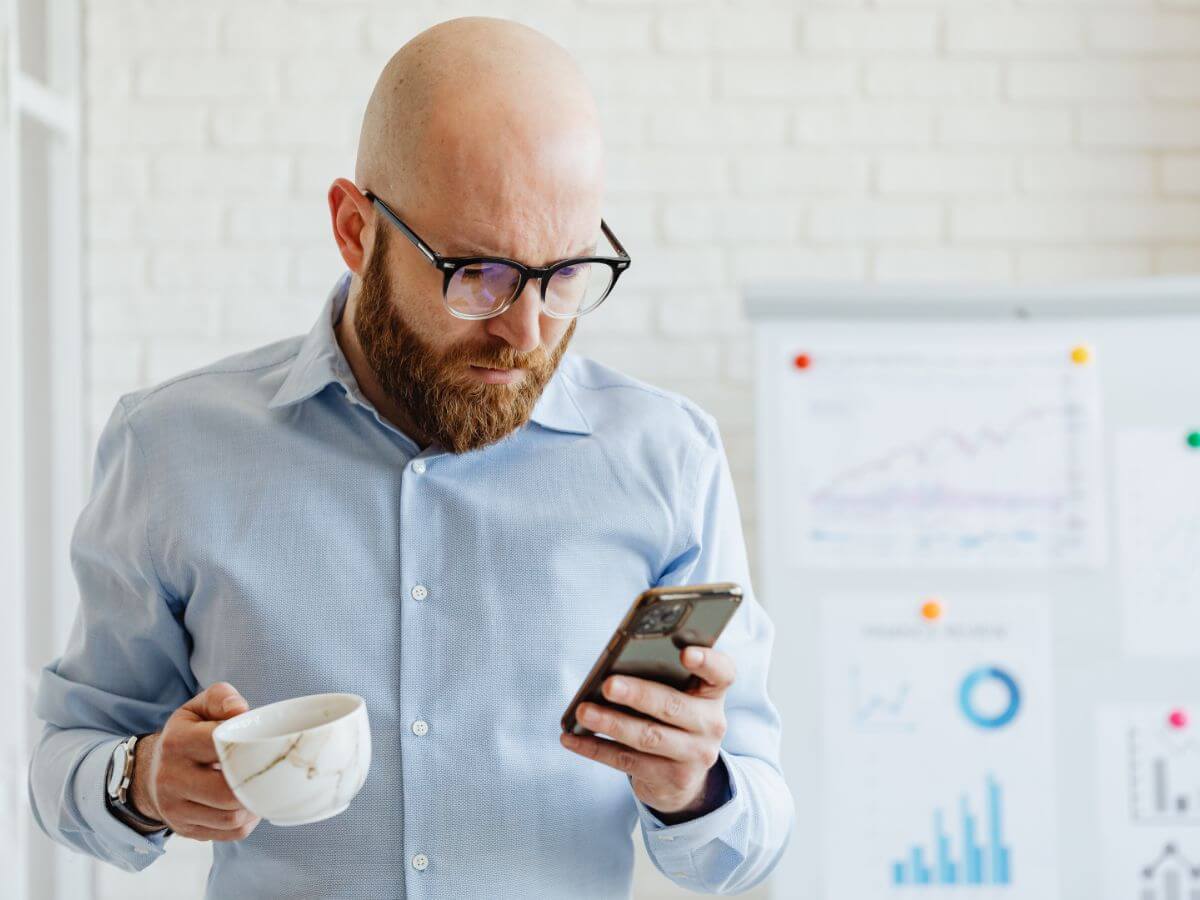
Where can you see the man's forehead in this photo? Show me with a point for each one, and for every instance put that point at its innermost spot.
(466, 219)
(536, 214)
(466, 246)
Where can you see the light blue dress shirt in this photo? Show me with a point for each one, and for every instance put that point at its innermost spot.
(257, 521)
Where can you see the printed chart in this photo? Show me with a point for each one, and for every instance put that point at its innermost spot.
(1149, 792)
(962, 457)
(983, 856)
(1158, 512)
(1170, 876)
(938, 755)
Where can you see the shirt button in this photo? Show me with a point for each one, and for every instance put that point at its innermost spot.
(420, 728)
(420, 592)
(420, 862)
(418, 466)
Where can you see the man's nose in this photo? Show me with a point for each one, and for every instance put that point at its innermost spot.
(520, 324)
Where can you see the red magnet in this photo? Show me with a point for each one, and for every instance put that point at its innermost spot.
(801, 361)
(1178, 718)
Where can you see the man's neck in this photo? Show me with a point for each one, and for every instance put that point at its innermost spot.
(348, 340)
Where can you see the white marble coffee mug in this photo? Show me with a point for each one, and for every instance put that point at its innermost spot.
(299, 760)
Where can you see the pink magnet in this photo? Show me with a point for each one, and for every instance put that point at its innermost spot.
(1178, 718)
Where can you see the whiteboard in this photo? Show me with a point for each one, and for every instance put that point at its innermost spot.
(939, 465)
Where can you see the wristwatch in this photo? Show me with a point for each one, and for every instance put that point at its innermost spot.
(117, 779)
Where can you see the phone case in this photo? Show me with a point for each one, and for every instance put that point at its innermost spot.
(660, 623)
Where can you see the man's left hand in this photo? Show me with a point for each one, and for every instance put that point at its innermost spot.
(669, 757)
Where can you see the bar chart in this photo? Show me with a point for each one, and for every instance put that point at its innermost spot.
(977, 855)
(1165, 771)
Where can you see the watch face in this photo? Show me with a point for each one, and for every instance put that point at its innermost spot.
(116, 769)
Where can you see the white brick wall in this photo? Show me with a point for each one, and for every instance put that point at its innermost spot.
(894, 139)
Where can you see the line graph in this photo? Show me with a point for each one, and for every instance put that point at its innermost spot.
(885, 708)
(967, 457)
(926, 451)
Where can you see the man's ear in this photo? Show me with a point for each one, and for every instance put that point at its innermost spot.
(353, 224)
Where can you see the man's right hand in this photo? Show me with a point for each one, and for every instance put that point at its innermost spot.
(174, 776)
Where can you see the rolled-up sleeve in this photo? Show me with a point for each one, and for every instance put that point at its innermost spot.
(125, 668)
(736, 845)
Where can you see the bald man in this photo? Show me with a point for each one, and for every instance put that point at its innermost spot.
(426, 502)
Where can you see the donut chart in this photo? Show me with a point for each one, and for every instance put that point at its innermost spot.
(981, 676)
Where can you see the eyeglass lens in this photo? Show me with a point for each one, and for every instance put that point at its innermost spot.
(479, 288)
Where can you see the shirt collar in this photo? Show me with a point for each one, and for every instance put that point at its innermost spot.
(320, 362)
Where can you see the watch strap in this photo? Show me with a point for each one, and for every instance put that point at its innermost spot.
(121, 805)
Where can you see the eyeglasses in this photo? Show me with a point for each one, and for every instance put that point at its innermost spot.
(479, 287)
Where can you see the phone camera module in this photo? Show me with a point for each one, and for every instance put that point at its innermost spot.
(660, 618)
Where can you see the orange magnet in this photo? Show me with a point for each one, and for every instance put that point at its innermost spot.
(801, 361)
(931, 610)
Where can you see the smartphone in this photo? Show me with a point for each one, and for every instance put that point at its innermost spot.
(659, 624)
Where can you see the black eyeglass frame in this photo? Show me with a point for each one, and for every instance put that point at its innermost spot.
(451, 264)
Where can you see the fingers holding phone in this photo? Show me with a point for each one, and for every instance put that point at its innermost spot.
(670, 744)
(657, 692)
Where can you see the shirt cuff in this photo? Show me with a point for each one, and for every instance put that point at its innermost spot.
(672, 845)
(90, 792)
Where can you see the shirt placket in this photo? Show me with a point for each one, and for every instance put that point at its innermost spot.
(419, 718)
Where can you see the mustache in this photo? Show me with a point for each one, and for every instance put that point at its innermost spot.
(505, 358)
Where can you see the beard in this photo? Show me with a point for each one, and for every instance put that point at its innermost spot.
(443, 398)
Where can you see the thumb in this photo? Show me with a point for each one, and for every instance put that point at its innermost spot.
(217, 701)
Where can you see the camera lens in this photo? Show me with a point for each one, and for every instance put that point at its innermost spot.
(660, 618)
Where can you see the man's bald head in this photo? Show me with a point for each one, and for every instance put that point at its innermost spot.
(482, 135)
(485, 131)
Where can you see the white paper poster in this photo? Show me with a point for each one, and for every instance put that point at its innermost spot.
(960, 456)
(1158, 511)
(1148, 763)
(938, 756)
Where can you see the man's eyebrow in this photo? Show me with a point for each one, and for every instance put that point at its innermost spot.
(458, 248)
